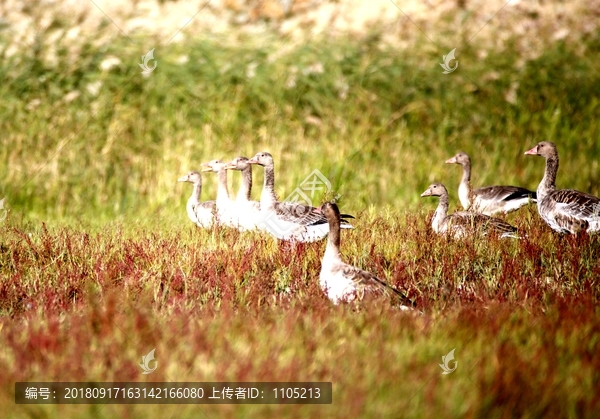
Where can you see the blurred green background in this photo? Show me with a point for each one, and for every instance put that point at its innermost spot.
(86, 138)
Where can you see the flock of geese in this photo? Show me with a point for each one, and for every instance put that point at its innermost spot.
(564, 210)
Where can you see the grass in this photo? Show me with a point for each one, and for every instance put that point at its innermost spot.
(99, 264)
(224, 306)
(378, 122)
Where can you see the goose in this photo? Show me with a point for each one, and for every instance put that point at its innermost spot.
(342, 282)
(247, 210)
(461, 224)
(201, 213)
(488, 200)
(225, 209)
(288, 220)
(564, 210)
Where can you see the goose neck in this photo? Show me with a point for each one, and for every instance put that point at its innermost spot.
(466, 177)
(246, 186)
(267, 197)
(222, 191)
(440, 213)
(548, 183)
(464, 189)
(196, 192)
(332, 251)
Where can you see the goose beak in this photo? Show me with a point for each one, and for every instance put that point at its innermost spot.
(450, 161)
(205, 167)
(532, 152)
(230, 166)
(253, 161)
(183, 179)
(427, 192)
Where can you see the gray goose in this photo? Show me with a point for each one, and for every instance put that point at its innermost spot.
(247, 209)
(564, 210)
(488, 200)
(201, 213)
(226, 212)
(342, 282)
(462, 224)
(288, 220)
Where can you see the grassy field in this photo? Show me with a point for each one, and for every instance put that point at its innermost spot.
(99, 263)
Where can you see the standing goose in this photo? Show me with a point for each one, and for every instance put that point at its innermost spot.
(342, 282)
(564, 210)
(201, 213)
(461, 224)
(225, 209)
(288, 220)
(488, 200)
(246, 209)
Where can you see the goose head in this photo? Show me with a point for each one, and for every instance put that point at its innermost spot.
(546, 149)
(239, 163)
(460, 158)
(435, 189)
(263, 159)
(192, 177)
(213, 166)
(330, 210)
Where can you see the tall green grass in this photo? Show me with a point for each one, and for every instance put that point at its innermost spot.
(377, 121)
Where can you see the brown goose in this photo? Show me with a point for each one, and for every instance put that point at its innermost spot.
(462, 224)
(488, 200)
(288, 220)
(564, 210)
(344, 282)
(201, 213)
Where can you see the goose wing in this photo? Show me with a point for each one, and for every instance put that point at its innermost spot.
(203, 213)
(501, 199)
(367, 282)
(567, 210)
(302, 214)
(503, 193)
(576, 204)
(480, 222)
